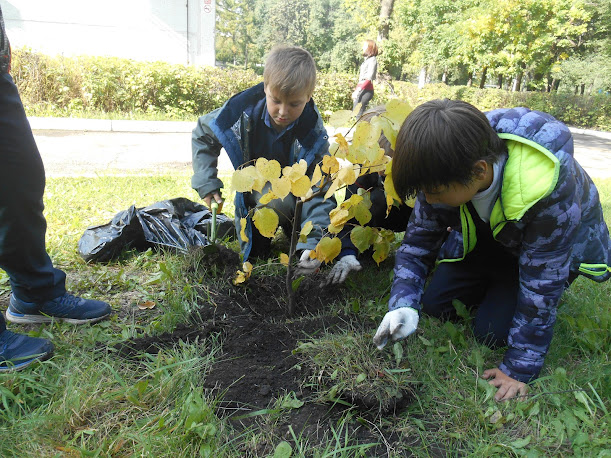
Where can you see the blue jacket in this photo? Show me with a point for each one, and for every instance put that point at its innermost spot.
(231, 127)
(548, 215)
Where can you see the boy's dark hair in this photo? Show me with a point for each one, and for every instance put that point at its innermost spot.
(439, 143)
(290, 70)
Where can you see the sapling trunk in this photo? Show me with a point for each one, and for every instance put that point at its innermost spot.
(289, 271)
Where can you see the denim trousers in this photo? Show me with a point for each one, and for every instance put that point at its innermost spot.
(23, 226)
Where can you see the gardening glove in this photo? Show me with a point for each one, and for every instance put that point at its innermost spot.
(341, 269)
(396, 325)
(356, 94)
(307, 266)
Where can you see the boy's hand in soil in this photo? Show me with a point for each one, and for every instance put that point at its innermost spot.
(216, 195)
(508, 387)
(396, 325)
(306, 265)
(341, 269)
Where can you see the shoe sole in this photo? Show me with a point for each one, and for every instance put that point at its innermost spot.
(21, 366)
(21, 318)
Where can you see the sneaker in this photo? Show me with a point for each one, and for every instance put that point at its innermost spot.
(68, 308)
(18, 351)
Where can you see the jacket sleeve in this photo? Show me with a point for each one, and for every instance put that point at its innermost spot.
(414, 259)
(206, 149)
(544, 260)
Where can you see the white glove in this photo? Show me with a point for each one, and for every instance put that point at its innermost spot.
(396, 325)
(307, 266)
(356, 94)
(342, 268)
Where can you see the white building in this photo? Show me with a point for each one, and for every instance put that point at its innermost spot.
(174, 31)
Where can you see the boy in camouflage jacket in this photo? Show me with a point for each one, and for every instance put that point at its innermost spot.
(508, 217)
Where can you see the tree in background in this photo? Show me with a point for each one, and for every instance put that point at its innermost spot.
(532, 45)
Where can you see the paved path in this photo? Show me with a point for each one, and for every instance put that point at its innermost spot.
(96, 147)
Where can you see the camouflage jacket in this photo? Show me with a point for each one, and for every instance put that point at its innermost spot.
(548, 214)
(5, 48)
(232, 127)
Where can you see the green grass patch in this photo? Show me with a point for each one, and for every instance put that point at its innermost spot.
(88, 401)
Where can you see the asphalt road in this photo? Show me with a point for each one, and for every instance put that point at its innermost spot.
(83, 153)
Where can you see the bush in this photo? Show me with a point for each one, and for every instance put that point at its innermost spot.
(61, 86)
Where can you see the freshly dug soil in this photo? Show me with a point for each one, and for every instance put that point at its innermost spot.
(256, 366)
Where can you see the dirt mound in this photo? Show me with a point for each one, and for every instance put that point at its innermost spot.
(256, 368)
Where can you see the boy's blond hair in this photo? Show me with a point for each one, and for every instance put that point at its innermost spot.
(290, 70)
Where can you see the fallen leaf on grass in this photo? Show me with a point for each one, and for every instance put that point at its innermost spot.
(147, 305)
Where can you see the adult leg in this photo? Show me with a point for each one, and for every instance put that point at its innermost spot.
(364, 100)
(22, 224)
(39, 292)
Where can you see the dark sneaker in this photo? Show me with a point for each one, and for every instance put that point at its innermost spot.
(18, 351)
(68, 308)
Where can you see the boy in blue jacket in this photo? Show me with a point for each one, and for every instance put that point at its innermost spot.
(278, 120)
(509, 218)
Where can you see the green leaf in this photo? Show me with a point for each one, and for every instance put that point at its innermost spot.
(283, 450)
(361, 377)
(291, 402)
(295, 284)
(397, 350)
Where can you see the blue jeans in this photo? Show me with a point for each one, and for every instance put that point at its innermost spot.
(22, 225)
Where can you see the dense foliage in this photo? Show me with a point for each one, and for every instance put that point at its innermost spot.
(537, 45)
(59, 86)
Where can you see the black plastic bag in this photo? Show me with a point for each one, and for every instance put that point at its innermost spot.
(177, 223)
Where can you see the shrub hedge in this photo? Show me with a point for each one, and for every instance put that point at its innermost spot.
(61, 86)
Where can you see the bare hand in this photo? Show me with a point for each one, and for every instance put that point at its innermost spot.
(216, 195)
(508, 387)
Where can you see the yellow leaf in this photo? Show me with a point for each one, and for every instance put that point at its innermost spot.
(332, 189)
(346, 176)
(305, 231)
(242, 181)
(284, 259)
(267, 198)
(281, 187)
(266, 221)
(330, 165)
(316, 176)
(342, 146)
(397, 110)
(239, 278)
(327, 249)
(295, 171)
(339, 216)
(301, 186)
(270, 170)
(340, 118)
(243, 235)
(244, 274)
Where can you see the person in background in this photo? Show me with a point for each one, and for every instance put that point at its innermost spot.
(509, 218)
(277, 120)
(369, 68)
(38, 289)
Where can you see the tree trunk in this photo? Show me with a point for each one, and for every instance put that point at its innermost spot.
(517, 83)
(289, 271)
(470, 80)
(582, 88)
(499, 82)
(422, 78)
(444, 77)
(385, 13)
(482, 83)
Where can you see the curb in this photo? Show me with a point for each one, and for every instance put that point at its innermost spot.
(594, 133)
(109, 125)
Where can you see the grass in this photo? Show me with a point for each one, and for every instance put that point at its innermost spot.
(86, 401)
